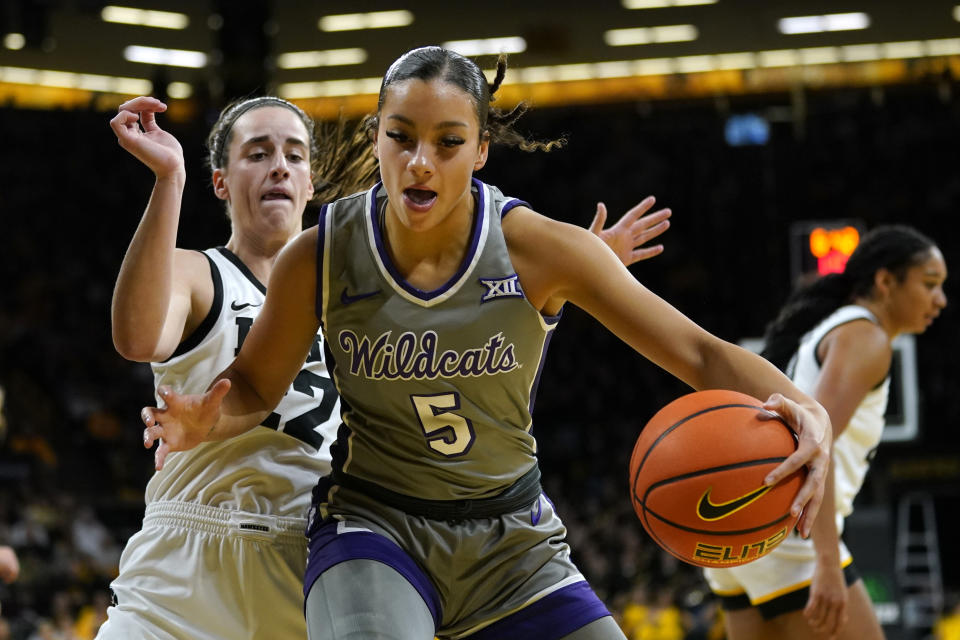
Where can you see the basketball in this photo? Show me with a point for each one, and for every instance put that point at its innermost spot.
(696, 478)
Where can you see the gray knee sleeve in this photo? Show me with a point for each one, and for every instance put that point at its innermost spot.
(366, 600)
(605, 628)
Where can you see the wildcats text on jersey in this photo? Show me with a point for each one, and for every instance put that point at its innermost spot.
(413, 357)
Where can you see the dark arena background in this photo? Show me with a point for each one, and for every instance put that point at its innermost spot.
(827, 129)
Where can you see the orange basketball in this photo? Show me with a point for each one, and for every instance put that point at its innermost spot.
(696, 478)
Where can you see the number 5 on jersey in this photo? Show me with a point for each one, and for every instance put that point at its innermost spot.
(447, 433)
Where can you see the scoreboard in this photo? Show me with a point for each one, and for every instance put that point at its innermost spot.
(821, 247)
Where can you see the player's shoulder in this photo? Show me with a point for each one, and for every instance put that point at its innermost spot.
(193, 270)
(861, 340)
(302, 248)
(352, 202)
(347, 212)
(862, 333)
(191, 257)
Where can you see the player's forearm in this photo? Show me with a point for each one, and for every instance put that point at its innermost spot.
(732, 366)
(141, 296)
(824, 533)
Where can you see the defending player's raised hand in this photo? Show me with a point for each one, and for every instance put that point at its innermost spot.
(813, 450)
(185, 422)
(138, 132)
(633, 230)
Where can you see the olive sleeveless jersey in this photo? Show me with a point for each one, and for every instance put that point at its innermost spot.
(437, 386)
(271, 469)
(854, 448)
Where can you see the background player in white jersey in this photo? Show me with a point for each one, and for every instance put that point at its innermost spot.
(834, 338)
(222, 550)
(433, 521)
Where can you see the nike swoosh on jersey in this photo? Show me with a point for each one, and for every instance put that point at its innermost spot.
(346, 299)
(239, 307)
(707, 510)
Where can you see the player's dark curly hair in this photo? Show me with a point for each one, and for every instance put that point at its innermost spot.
(345, 162)
(428, 63)
(895, 248)
(341, 159)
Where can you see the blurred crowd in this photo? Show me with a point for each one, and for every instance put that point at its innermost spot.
(72, 464)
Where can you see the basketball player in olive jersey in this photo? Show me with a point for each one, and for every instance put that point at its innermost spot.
(222, 553)
(834, 337)
(458, 384)
(437, 295)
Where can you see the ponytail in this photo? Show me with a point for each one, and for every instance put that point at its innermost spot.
(804, 308)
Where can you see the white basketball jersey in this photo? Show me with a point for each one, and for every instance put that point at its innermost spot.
(854, 449)
(271, 469)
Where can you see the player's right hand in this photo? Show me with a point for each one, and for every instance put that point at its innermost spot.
(185, 422)
(138, 132)
(826, 611)
(814, 435)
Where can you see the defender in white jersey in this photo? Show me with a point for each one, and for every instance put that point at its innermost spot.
(892, 284)
(221, 553)
(436, 296)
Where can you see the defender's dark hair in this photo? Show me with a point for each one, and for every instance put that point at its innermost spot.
(895, 248)
(429, 63)
(341, 162)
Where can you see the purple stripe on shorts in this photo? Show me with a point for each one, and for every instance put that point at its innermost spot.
(328, 548)
(551, 617)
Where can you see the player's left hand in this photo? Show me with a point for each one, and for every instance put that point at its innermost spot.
(633, 230)
(185, 421)
(814, 436)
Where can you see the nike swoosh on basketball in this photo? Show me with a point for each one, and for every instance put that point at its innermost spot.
(238, 307)
(346, 299)
(707, 510)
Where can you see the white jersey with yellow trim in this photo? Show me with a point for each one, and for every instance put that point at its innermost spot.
(771, 581)
(271, 469)
(854, 448)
